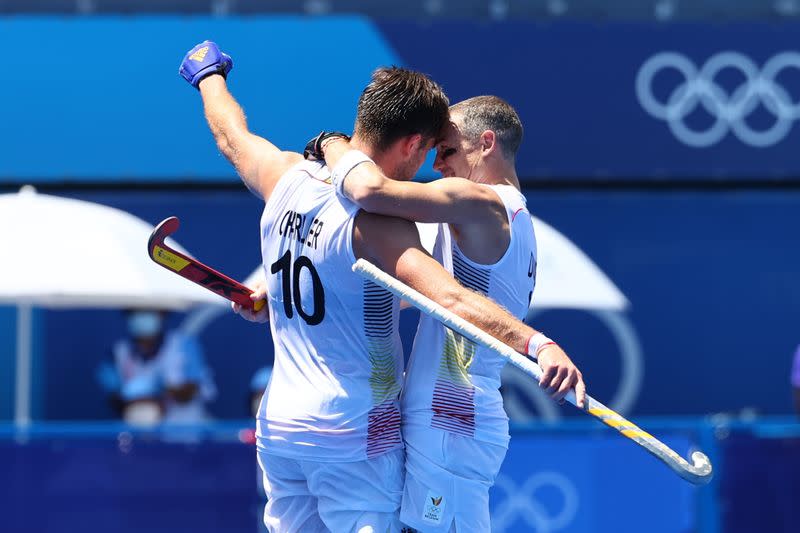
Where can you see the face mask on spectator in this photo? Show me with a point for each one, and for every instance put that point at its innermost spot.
(144, 323)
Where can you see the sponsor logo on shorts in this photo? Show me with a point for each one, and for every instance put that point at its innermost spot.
(200, 54)
(434, 508)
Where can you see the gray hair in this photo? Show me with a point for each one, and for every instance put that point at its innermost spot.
(482, 113)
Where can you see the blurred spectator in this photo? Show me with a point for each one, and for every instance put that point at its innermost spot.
(258, 384)
(796, 380)
(157, 375)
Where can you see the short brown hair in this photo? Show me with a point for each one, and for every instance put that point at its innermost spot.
(483, 113)
(399, 102)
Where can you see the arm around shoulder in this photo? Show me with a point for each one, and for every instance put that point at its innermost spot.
(402, 257)
(447, 200)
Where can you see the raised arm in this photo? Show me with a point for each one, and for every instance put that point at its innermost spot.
(257, 161)
(402, 256)
(451, 200)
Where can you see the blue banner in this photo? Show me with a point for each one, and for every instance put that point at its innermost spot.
(603, 101)
(113, 480)
(760, 481)
(573, 484)
(700, 270)
(95, 101)
(116, 483)
(628, 100)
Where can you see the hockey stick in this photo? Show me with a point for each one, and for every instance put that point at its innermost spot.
(194, 270)
(698, 473)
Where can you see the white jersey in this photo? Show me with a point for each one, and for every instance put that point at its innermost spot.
(451, 383)
(334, 392)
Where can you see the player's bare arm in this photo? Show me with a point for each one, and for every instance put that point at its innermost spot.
(403, 257)
(453, 200)
(474, 211)
(258, 162)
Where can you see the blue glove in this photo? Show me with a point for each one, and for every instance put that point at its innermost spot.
(204, 60)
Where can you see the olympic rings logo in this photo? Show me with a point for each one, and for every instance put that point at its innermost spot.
(729, 110)
(521, 503)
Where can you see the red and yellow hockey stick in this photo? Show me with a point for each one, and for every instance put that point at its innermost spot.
(194, 270)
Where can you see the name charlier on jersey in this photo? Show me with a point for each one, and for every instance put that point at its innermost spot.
(292, 225)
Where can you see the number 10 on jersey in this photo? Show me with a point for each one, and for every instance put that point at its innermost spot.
(292, 297)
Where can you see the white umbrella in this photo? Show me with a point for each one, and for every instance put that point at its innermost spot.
(567, 278)
(60, 252)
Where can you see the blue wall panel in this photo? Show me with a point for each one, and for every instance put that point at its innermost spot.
(570, 483)
(706, 274)
(100, 98)
(574, 87)
(113, 484)
(95, 100)
(760, 480)
(584, 483)
(703, 272)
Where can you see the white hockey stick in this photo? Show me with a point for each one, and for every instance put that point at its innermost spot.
(698, 473)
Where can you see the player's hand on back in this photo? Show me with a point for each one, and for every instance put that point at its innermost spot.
(559, 374)
(204, 60)
(261, 316)
(315, 148)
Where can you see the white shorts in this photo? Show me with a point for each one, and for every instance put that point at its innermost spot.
(311, 496)
(448, 478)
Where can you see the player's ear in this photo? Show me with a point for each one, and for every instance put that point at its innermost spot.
(488, 142)
(411, 144)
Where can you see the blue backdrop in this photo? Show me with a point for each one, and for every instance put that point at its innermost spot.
(710, 277)
(574, 85)
(570, 477)
(126, 115)
(115, 481)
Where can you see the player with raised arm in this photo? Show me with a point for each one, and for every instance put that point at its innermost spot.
(328, 429)
(454, 425)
